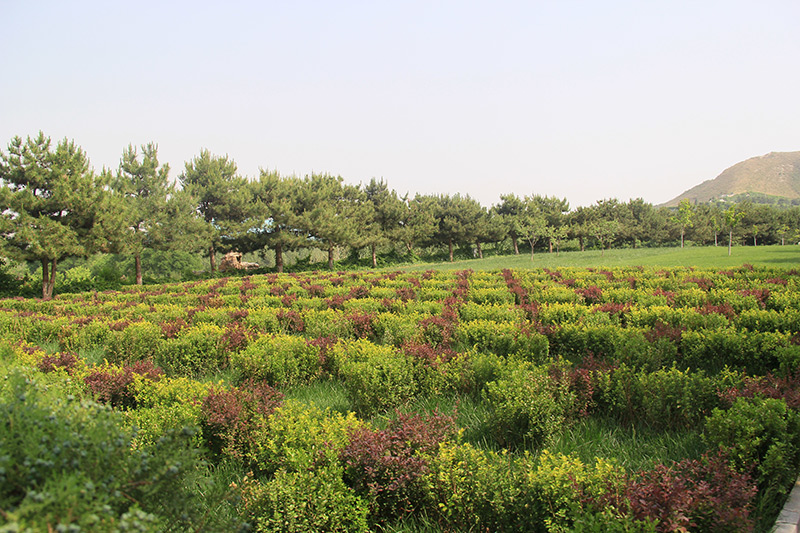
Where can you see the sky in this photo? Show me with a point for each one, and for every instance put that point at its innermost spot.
(583, 100)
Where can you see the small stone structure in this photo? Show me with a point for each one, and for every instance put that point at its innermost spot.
(233, 261)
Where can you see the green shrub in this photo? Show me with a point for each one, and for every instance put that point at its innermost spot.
(667, 398)
(396, 329)
(326, 323)
(760, 432)
(284, 360)
(298, 437)
(305, 501)
(376, 377)
(554, 484)
(530, 404)
(164, 405)
(67, 463)
(477, 490)
(264, 319)
(194, 351)
(138, 341)
(503, 339)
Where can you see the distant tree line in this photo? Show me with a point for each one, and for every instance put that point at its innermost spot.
(55, 206)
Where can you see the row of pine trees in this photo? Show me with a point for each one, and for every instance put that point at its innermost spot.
(55, 205)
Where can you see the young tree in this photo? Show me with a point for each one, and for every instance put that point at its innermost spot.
(533, 224)
(490, 229)
(222, 199)
(733, 216)
(684, 217)
(605, 231)
(51, 201)
(554, 211)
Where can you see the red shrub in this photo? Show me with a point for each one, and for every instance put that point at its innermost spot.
(170, 329)
(65, 360)
(762, 295)
(387, 464)
(769, 386)
(664, 331)
(227, 417)
(113, 387)
(702, 283)
(725, 309)
(591, 294)
(359, 291)
(290, 320)
(362, 323)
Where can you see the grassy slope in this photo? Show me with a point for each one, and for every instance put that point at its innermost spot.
(699, 257)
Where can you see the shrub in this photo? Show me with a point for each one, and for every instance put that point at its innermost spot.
(298, 437)
(195, 351)
(530, 404)
(554, 484)
(503, 339)
(165, 405)
(326, 323)
(476, 490)
(61, 360)
(376, 377)
(113, 385)
(385, 466)
(230, 418)
(395, 329)
(284, 360)
(762, 433)
(304, 501)
(694, 495)
(667, 398)
(67, 464)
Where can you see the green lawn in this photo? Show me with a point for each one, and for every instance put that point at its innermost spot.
(700, 257)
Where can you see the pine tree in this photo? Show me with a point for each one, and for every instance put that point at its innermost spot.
(140, 189)
(52, 201)
(222, 200)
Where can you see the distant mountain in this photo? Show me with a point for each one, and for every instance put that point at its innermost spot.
(775, 175)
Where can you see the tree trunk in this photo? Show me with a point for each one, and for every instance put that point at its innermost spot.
(212, 254)
(279, 257)
(45, 278)
(138, 261)
(450, 247)
(715, 238)
(480, 250)
(374, 256)
(551, 246)
(48, 278)
(681, 237)
(516, 246)
(583, 246)
(330, 257)
(730, 242)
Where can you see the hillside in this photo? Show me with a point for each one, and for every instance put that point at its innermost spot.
(776, 174)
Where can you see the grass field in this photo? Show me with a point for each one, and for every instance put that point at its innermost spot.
(700, 257)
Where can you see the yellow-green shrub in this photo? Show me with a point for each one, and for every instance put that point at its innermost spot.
(283, 360)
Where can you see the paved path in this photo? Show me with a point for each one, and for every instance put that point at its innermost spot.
(789, 519)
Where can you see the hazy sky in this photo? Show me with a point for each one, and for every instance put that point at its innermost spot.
(578, 99)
